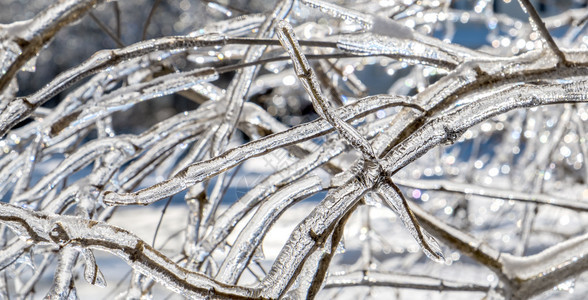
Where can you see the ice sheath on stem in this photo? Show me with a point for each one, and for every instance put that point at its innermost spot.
(462, 140)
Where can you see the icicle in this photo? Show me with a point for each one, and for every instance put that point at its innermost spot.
(409, 50)
(397, 202)
(91, 272)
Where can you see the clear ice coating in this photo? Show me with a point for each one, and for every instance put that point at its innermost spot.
(312, 149)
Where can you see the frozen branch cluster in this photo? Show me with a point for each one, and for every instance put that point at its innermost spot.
(479, 152)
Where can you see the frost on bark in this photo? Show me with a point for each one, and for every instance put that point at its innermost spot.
(411, 162)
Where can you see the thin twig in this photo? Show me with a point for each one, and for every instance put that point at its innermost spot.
(42, 30)
(321, 272)
(117, 20)
(169, 200)
(106, 30)
(490, 192)
(405, 281)
(540, 26)
(148, 20)
(227, 6)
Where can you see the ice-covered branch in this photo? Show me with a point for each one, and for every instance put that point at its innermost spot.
(244, 111)
(374, 278)
(490, 192)
(63, 231)
(232, 157)
(534, 274)
(540, 26)
(32, 35)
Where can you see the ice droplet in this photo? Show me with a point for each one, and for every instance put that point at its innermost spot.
(31, 65)
(568, 286)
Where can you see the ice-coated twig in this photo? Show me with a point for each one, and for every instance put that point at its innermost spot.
(524, 276)
(107, 30)
(337, 11)
(107, 58)
(582, 143)
(535, 20)
(63, 230)
(320, 271)
(486, 100)
(33, 34)
(239, 86)
(126, 97)
(21, 107)
(63, 283)
(310, 82)
(81, 158)
(148, 20)
(465, 243)
(383, 28)
(304, 280)
(207, 169)
(392, 280)
(310, 234)
(408, 50)
(40, 270)
(252, 235)
(237, 26)
(31, 156)
(491, 192)
(186, 135)
(540, 164)
(396, 201)
(13, 161)
(531, 275)
(449, 127)
(229, 218)
(298, 250)
(13, 251)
